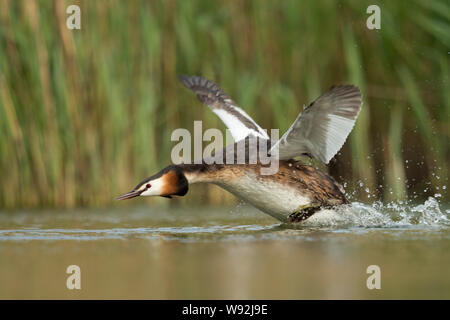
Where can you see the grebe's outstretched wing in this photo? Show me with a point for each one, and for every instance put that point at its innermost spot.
(236, 119)
(322, 128)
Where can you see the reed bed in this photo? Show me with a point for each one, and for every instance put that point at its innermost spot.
(86, 114)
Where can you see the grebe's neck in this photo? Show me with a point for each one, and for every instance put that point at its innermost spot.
(199, 173)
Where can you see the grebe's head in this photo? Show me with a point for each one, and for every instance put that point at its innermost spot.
(169, 182)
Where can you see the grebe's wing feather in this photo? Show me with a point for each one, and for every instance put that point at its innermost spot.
(236, 119)
(322, 128)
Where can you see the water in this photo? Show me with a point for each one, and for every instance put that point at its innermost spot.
(229, 253)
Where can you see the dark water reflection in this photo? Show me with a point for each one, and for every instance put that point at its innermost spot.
(204, 253)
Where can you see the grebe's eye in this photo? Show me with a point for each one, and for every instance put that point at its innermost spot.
(148, 185)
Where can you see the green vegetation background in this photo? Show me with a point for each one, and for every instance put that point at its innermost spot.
(86, 114)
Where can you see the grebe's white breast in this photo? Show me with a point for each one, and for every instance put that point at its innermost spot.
(270, 196)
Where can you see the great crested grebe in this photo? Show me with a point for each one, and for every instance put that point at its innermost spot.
(296, 191)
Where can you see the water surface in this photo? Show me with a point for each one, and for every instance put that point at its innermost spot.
(227, 253)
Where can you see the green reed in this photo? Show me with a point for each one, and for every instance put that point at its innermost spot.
(86, 114)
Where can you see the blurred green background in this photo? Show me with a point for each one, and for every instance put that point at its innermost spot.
(86, 114)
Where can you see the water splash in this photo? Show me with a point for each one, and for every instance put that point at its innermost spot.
(390, 215)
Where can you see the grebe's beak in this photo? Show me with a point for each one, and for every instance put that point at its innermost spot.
(129, 195)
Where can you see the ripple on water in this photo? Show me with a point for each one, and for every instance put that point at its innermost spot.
(122, 233)
(356, 219)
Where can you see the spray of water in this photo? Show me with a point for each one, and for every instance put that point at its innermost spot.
(382, 215)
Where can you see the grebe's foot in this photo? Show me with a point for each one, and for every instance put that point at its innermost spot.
(303, 212)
